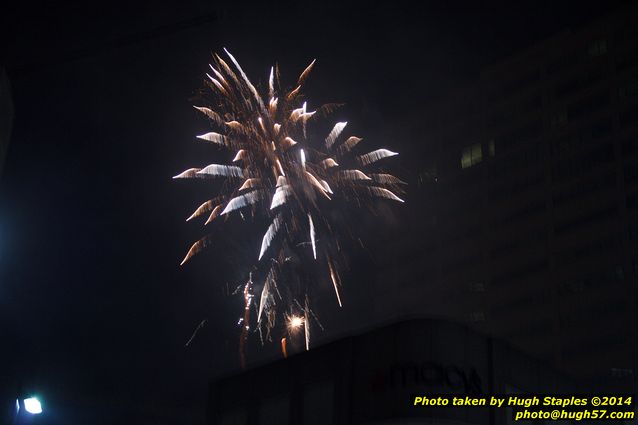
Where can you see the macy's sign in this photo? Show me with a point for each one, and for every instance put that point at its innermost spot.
(413, 375)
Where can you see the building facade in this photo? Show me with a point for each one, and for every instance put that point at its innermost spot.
(528, 204)
(373, 377)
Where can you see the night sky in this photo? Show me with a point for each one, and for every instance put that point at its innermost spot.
(94, 308)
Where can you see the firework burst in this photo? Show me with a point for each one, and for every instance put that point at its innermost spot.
(281, 173)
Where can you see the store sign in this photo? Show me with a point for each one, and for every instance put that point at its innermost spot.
(426, 376)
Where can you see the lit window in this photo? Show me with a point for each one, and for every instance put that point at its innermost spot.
(491, 148)
(471, 155)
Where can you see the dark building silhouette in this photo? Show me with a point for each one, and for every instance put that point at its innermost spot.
(372, 377)
(6, 115)
(529, 189)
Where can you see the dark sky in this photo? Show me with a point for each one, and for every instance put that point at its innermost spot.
(94, 309)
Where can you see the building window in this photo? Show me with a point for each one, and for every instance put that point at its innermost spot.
(621, 372)
(491, 148)
(477, 287)
(597, 48)
(477, 316)
(471, 155)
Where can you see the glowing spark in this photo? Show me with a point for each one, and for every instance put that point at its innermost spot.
(353, 175)
(326, 187)
(295, 114)
(312, 236)
(334, 282)
(294, 323)
(281, 169)
(384, 193)
(306, 327)
(242, 201)
(249, 184)
(315, 182)
(241, 154)
(265, 293)
(270, 234)
(214, 116)
(195, 248)
(293, 93)
(190, 173)
(386, 179)
(222, 170)
(336, 131)
(271, 82)
(217, 84)
(289, 142)
(348, 145)
(307, 335)
(214, 214)
(306, 72)
(246, 80)
(245, 323)
(374, 156)
(201, 325)
(329, 162)
(219, 76)
(203, 208)
(279, 198)
(236, 126)
(261, 124)
(272, 108)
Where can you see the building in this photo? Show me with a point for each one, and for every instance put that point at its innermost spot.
(527, 211)
(528, 204)
(6, 115)
(373, 377)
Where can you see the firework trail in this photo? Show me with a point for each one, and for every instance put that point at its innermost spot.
(200, 326)
(281, 173)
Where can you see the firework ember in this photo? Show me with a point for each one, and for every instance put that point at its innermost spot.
(281, 173)
(294, 323)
